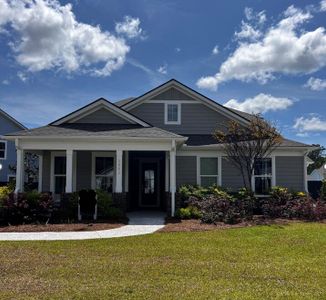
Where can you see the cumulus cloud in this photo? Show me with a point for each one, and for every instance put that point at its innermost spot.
(129, 27)
(313, 123)
(316, 84)
(215, 50)
(323, 5)
(283, 48)
(247, 32)
(261, 103)
(50, 37)
(163, 69)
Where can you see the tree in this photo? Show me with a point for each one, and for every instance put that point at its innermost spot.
(319, 158)
(245, 145)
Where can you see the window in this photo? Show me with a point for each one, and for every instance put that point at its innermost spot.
(3, 149)
(59, 174)
(208, 171)
(173, 113)
(104, 171)
(263, 176)
(11, 179)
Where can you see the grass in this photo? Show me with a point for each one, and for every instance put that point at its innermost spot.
(262, 262)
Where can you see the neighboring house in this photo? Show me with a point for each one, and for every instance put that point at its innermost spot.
(142, 149)
(7, 148)
(318, 174)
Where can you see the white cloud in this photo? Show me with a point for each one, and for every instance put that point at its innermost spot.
(323, 5)
(313, 123)
(215, 50)
(177, 49)
(50, 37)
(283, 48)
(316, 84)
(247, 32)
(129, 27)
(163, 69)
(5, 82)
(22, 76)
(261, 103)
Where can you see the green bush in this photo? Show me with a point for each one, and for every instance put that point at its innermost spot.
(189, 212)
(105, 206)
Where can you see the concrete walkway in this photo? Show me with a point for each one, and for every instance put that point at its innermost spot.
(139, 223)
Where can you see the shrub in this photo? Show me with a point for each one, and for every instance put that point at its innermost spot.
(105, 206)
(274, 204)
(190, 212)
(27, 207)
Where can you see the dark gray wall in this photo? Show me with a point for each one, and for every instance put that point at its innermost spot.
(289, 172)
(195, 118)
(46, 185)
(186, 170)
(7, 126)
(231, 176)
(103, 116)
(172, 94)
(84, 170)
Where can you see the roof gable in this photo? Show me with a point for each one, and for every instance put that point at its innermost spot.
(96, 109)
(11, 119)
(174, 88)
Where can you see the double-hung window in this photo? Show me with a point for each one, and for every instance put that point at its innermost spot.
(104, 172)
(3, 149)
(173, 113)
(59, 174)
(263, 176)
(208, 171)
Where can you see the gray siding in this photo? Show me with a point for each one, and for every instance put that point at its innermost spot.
(84, 170)
(7, 126)
(289, 172)
(231, 176)
(186, 170)
(46, 185)
(172, 94)
(195, 118)
(103, 116)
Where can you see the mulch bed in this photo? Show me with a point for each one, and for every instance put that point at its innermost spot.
(85, 226)
(177, 225)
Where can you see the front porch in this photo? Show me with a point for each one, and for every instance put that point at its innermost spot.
(140, 176)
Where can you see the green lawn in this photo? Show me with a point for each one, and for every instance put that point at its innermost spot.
(267, 262)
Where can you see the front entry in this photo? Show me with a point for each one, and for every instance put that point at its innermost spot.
(149, 187)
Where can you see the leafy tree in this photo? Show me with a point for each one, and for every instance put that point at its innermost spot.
(245, 145)
(319, 158)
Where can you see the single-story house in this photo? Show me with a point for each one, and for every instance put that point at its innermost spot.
(142, 149)
(7, 148)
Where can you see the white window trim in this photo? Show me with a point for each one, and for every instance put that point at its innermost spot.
(166, 122)
(219, 168)
(272, 176)
(11, 176)
(52, 180)
(6, 147)
(103, 154)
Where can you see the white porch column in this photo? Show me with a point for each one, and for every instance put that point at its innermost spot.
(118, 181)
(305, 180)
(172, 177)
(126, 170)
(69, 171)
(20, 171)
(167, 171)
(40, 172)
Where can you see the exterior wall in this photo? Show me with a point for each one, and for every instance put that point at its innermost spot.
(7, 126)
(172, 94)
(289, 172)
(186, 170)
(231, 176)
(195, 118)
(84, 170)
(103, 116)
(46, 182)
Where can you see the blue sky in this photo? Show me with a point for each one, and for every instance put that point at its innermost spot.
(269, 56)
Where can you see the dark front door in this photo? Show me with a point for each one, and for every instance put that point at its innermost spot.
(149, 194)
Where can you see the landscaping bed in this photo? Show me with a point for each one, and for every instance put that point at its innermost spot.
(85, 226)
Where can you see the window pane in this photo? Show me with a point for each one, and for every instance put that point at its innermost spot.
(104, 183)
(208, 181)
(263, 166)
(149, 182)
(2, 154)
(2, 145)
(60, 184)
(208, 166)
(104, 166)
(262, 185)
(172, 112)
(60, 165)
